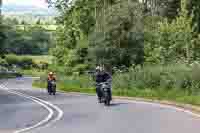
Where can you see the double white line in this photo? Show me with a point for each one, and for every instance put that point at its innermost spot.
(47, 105)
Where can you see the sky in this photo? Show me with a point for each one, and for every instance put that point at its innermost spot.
(35, 3)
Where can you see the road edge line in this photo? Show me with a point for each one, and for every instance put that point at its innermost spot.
(186, 108)
(50, 115)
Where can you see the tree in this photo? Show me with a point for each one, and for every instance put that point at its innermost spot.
(23, 22)
(194, 7)
(106, 31)
(15, 21)
(119, 33)
(0, 6)
(2, 35)
(38, 22)
(78, 22)
(10, 21)
(173, 40)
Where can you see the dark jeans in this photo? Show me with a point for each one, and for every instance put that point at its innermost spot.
(99, 92)
(49, 86)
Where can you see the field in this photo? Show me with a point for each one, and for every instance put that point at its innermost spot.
(39, 58)
(46, 27)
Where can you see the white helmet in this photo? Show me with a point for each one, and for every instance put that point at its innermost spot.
(99, 68)
(50, 73)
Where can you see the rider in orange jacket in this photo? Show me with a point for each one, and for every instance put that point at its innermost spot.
(51, 77)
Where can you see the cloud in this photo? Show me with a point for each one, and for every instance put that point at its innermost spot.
(35, 3)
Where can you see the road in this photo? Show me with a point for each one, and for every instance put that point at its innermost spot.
(33, 111)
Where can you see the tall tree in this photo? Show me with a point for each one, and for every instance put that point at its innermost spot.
(2, 35)
(165, 8)
(119, 32)
(0, 6)
(194, 6)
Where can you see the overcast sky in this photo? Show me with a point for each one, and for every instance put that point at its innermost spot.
(35, 3)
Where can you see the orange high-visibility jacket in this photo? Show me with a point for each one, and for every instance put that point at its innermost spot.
(51, 77)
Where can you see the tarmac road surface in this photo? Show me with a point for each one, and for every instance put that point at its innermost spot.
(34, 111)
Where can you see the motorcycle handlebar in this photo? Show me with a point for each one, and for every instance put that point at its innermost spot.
(102, 83)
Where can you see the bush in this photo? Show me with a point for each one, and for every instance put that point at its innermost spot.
(12, 60)
(26, 62)
(80, 68)
(3, 63)
(41, 65)
(20, 61)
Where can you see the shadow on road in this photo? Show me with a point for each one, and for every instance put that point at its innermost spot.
(117, 104)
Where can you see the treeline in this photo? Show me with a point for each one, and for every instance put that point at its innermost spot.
(26, 40)
(125, 33)
(29, 19)
(30, 64)
(152, 46)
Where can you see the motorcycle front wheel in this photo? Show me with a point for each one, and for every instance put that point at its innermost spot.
(107, 100)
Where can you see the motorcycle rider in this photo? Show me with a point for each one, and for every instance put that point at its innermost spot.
(51, 77)
(102, 76)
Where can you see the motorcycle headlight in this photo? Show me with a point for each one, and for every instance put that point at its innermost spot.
(105, 89)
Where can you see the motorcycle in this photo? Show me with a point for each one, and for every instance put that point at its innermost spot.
(106, 93)
(52, 87)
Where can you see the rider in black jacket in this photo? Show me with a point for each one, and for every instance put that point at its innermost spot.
(102, 76)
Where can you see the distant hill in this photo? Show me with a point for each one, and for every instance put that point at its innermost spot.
(13, 9)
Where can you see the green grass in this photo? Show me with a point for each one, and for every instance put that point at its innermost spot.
(46, 27)
(40, 58)
(5, 75)
(37, 60)
(154, 94)
(33, 72)
(177, 82)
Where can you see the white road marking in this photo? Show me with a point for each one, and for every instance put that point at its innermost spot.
(60, 112)
(147, 103)
(41, 102)
(163, 106)
(129, 101)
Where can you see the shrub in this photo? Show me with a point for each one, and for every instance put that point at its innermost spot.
(41, 65)
(44, 65)
(12, 60)
(26, 62)
(20, 61)
(80, 68)
(158, 78)
(3, 62)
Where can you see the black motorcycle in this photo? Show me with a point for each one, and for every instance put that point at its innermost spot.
(52, 87)
(106, 93)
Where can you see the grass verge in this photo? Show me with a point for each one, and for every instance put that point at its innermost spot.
(174, 95)
(7, 75)
(33, 72)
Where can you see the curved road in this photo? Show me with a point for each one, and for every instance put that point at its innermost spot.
(81, 114)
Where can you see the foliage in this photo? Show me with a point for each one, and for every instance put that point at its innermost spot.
(3, 63)
(24, 39)
(40, 65)
(172, 41)
(2, 37)
(12, 60)
(72, 37)
(156, 82)
(153, 50)
(34, 40)
(119, 34)
(194, 6)
(26, 63)
(28, 19)
(23, 62)
(77, 41)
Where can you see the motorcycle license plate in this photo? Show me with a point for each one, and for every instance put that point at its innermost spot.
(105, 89)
